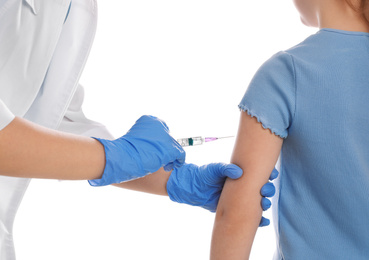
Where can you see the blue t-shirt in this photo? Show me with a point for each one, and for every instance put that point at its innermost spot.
(316, 96)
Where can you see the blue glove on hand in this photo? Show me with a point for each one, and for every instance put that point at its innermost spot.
(145, 148)
(202, 185)
(268, 190)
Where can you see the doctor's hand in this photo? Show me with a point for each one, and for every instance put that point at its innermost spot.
(145, 148)
(202, 185)
(268, 190)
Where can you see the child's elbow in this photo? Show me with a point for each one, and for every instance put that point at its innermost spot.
(237, 219)
(231, 220)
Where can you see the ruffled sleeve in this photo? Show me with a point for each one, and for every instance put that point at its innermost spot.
(270, 97)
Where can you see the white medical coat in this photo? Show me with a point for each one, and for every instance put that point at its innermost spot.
(41, 60)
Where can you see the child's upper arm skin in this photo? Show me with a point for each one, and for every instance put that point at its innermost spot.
(239, 211)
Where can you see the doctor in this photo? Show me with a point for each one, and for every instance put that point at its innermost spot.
(44, 45)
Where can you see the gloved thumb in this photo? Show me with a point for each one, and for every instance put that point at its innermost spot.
(232, 171)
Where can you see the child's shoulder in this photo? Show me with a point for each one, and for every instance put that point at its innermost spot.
(312, 51)
(314, 46)
(305, 48)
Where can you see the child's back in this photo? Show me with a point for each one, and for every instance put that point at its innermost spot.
(317, 95)
(324, 185)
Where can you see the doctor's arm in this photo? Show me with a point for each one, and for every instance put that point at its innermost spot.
(32, 151)
(256, 151)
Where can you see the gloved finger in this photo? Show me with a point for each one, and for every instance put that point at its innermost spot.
(180, 156)
(265, 203)
(274, 174)
(168, 167)
(264, 222)
(178, 163)
(268, 190)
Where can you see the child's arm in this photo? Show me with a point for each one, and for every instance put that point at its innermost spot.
(238, 215)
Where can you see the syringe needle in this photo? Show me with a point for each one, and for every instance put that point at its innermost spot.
(225, 137)
(209, 139)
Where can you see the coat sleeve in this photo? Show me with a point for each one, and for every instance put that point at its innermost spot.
(75, 121)
(5, 115)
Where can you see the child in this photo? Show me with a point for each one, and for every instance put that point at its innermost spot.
(310, 102)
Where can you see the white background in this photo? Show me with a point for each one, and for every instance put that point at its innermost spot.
(187, 62)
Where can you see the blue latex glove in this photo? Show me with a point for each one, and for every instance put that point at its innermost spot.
(145, 148)
(202, 185)
(268, 190)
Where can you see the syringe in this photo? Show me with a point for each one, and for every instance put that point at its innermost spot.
(191, 141)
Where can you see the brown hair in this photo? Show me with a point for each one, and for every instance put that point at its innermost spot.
(361, 6)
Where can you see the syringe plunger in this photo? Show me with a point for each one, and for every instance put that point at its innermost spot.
(191, 141)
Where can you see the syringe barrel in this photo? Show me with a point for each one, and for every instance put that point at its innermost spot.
(191, 141)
